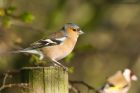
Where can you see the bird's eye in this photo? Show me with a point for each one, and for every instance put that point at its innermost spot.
(74, 29)
(111, 85)
(63, 28)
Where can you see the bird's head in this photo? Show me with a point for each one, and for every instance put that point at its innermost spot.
(119, 82)
(72, 29)
(129, 75)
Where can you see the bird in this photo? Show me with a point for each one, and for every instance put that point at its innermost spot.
(120, 82)
(57, 45)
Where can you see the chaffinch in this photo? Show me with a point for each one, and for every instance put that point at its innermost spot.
(120, 82)
(57, 46)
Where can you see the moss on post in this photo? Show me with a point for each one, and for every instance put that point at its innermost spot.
(45, 79)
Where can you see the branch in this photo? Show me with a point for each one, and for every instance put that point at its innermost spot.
(22, 85)
(4, 85)
(5, 78)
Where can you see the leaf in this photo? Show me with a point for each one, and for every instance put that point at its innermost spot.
(26, 17)
(10, 10)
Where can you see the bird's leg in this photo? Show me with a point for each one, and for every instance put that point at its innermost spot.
(56, 63)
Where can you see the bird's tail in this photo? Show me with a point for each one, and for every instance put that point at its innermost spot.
(26, 51)
(18, 51)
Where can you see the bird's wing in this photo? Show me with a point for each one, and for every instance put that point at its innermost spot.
(52, 40)
(58, 34)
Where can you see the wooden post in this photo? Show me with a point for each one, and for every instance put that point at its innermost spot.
(45, 79)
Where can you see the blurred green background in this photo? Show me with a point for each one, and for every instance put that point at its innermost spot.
(111, 41)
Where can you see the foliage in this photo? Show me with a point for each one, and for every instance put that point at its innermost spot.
(8, 16)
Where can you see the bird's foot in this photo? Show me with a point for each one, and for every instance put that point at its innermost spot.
(64, 68)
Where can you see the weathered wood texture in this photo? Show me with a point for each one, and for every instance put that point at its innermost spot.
(45, 79)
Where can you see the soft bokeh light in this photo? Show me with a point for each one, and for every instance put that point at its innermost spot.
(111, 41)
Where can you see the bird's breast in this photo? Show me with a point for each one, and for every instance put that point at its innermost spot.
(58, 52)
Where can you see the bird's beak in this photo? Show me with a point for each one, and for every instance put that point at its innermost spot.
(81, 32)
